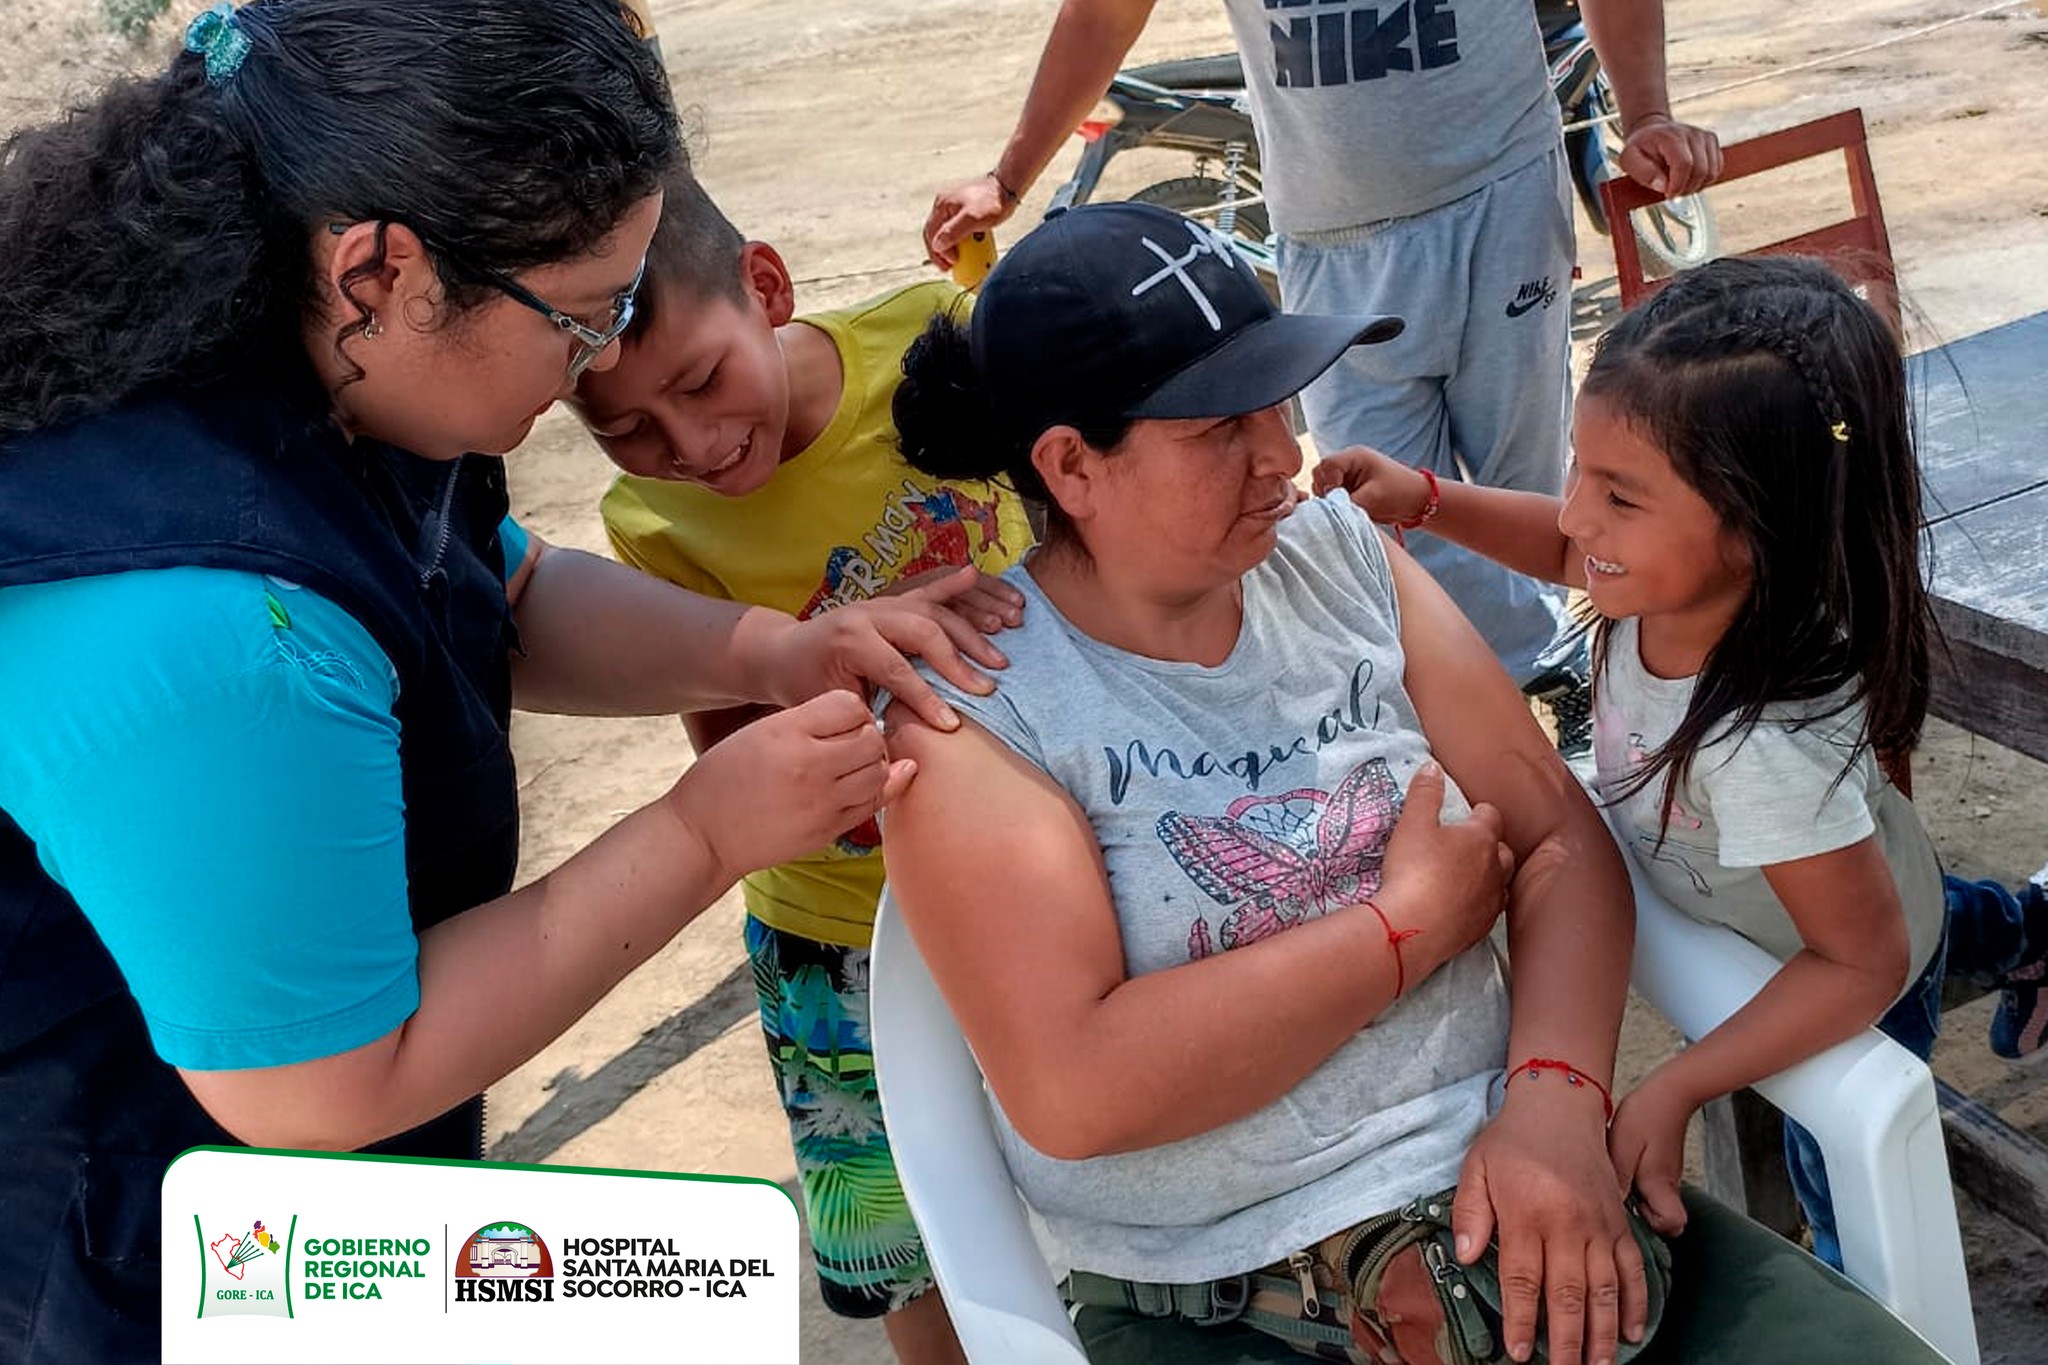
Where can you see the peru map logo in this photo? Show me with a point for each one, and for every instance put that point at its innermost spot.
(242, 1268)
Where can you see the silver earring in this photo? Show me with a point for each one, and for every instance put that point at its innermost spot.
(371, 331)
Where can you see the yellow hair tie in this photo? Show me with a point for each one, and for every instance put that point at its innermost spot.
(1840, 431)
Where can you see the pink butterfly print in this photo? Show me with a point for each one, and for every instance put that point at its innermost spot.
(1288, 857)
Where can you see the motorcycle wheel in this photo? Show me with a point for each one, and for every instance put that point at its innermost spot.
(1674, 235)
(1198, 196)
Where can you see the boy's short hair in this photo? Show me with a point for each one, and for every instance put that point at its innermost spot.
(695, 250)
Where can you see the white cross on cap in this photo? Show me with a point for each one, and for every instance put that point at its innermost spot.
(1207, 242)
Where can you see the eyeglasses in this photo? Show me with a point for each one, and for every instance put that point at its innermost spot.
(591, 342)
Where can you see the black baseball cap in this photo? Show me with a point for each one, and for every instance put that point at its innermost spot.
(1121, 310)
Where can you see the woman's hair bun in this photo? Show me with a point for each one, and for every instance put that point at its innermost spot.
(943, 417)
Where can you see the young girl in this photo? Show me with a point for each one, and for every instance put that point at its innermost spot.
(1744, 514)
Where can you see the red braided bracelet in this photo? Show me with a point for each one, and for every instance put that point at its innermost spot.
(1572, 1076)
(1430, 507)
(1395, 938)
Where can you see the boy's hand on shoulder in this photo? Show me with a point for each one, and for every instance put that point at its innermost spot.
(990, 605)
(860, 648)
(1384, 489)
(1647, 1144)
(788, 784)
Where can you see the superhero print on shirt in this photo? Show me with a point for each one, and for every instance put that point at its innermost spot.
(921, 529)
(1277, 860)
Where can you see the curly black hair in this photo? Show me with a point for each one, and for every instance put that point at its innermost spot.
(162, 233)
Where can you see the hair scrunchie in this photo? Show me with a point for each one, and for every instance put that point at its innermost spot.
(214, 35)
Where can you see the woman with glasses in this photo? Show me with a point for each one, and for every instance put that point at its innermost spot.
(263, 615)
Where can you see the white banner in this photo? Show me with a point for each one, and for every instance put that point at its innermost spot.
(300, 1257)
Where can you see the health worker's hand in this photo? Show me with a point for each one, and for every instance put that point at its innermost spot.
(789, 783)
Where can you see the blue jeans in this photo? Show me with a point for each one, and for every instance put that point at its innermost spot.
(1913, 1023)
(1987, 931)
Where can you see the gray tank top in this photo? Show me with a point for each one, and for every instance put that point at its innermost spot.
(1230, 803)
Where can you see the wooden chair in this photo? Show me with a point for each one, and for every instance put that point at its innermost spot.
(1857, 246)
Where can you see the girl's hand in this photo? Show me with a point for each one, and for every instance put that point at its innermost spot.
(788, 784)
(1647, 1144)
(1537, 1179)
(859, 648)
(1447, 882)
(991, 605)
(1387, 490)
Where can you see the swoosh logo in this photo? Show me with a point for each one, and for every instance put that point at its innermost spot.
(1521, 306)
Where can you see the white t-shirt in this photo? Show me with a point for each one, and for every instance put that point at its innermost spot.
(1780, 792)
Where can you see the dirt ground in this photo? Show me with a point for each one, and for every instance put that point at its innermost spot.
(825, 128)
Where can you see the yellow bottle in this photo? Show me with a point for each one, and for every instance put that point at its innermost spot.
(973, 259)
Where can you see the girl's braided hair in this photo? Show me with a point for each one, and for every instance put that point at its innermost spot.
(1779, 395)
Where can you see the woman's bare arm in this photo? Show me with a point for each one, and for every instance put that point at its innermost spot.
(1538, 1177)
(1000, 878)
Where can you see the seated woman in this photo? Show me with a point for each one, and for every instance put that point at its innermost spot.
(1217, 926)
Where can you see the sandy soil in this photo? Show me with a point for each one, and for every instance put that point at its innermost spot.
(825, 128)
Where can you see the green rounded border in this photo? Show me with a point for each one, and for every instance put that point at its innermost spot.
(465, 1164)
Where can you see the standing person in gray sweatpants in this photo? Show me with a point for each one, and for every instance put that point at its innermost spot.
(1413, 164)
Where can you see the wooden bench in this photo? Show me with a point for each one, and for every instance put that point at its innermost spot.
(1982, 408)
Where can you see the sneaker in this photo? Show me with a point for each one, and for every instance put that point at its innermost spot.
(2020, 1024)
(1567, 693)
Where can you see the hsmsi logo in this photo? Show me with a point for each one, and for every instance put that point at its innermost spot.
(504, 1263)
(242, 1268)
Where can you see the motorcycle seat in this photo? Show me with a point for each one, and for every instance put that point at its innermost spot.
(1224, 72)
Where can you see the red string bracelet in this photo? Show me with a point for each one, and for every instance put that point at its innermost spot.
(1572, 1076)
(1395, 938)
(1430, 507)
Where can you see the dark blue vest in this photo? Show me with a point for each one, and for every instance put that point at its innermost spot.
(89, 1116)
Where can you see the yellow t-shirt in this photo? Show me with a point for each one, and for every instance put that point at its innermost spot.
(838, 522)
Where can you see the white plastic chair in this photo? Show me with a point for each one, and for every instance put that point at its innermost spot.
(976, 1234)
(1868, 1102)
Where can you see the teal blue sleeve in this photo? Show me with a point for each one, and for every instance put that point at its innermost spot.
(208, 762)
(513, 537)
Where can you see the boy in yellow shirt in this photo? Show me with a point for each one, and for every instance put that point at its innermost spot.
(762, 466)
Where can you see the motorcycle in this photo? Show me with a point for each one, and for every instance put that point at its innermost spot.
(1198, 106)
